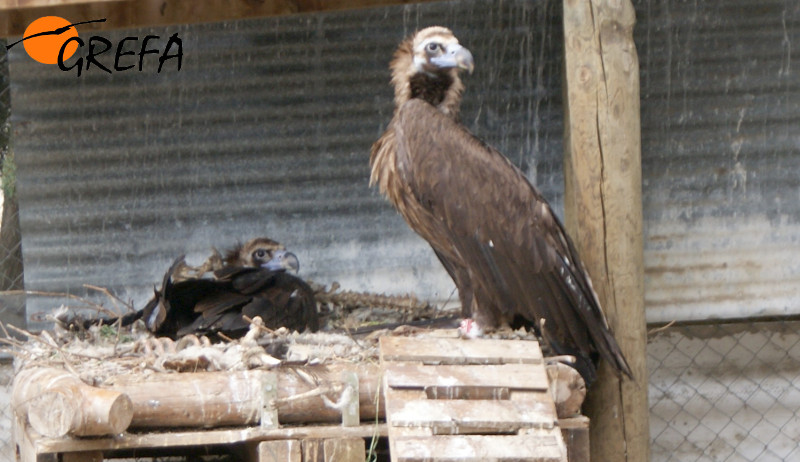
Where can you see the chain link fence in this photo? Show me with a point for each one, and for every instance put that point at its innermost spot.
(725, 392)
(11, 308)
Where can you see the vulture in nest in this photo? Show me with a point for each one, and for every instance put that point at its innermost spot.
(495, 234)
(254, 279)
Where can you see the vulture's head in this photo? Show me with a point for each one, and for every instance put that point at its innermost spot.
(257, 252)
(426, 65)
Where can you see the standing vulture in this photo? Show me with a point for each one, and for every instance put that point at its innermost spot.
(495, 234)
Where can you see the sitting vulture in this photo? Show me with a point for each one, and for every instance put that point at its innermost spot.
(255, 279)
(494, 233)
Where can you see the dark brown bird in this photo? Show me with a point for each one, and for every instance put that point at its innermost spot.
(495, 234)
(257, 278)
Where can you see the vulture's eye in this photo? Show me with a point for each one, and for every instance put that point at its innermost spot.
(433, 46)
(260, 253)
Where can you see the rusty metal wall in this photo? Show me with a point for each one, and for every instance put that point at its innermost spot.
(266, 129)
(720, 89)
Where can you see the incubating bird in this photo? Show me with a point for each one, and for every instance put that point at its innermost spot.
(257, 278)
(494, 233)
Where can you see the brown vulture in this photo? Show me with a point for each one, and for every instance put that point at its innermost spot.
(256, 279)
(494, 233)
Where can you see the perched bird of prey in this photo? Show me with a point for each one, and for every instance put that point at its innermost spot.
(494, 233)
(257, 278)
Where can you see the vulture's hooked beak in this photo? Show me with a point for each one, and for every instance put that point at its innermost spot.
(283, 260)
(455, 56)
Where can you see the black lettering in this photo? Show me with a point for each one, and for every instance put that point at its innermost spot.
(145, 50)
(78, 63)
(176, 40)
(117, 67)
(90, 59)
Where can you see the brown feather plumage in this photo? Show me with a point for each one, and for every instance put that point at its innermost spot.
(495, 234)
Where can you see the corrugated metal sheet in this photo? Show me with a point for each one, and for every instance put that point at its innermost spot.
(265, 130)
(720, 90)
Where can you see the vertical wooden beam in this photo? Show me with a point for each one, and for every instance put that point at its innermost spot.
(603, 208)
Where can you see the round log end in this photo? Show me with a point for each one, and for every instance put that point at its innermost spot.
(53, 414)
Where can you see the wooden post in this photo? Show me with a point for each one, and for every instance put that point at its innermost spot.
(603, 208)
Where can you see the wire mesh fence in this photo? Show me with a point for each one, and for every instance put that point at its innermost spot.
(725, 392)
(7, 448)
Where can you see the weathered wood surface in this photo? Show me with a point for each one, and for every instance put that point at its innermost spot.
(280, 451)
(448, 351)
(122, 14)
(568, 389)
(520, 425)
(56, 403)
(575, 431)
(201, 437)
(545, 446)
(94, 456)
(343, 449)
(464, 414)
(211, 399)
(603, 207)
(512, 376)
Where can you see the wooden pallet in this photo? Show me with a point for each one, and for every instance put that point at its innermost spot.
(252, 444)
(468, 400)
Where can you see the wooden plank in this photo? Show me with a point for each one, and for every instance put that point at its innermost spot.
(280, 451)
(94, 456)
(475, 448)
(603, 207)
(23, 440)
(15, 4)
(514, 376)
(345, 449)
(128, 14)
(458, 351)
(197, 438)
(503, 416)
(575, 431)
(313, 450)
(467, 392)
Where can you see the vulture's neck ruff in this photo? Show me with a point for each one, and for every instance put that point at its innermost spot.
(430, 87)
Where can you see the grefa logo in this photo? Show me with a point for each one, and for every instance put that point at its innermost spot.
(53, 40)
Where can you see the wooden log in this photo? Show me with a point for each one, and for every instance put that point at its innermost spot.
(568, 389)
(211, 399)
(603, 207)
(57, 404)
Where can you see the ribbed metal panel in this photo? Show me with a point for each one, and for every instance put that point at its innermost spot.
(720, 87)
(266, 130)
